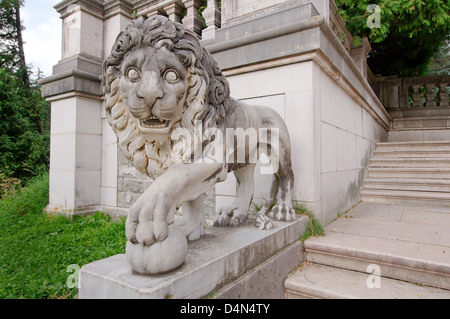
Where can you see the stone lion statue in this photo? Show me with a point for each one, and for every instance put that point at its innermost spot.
(161, 86)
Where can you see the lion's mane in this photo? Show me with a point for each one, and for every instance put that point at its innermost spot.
(207, 100)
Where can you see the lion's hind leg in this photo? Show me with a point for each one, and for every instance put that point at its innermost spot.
(236, 213)
(283, 210)
(283, 181)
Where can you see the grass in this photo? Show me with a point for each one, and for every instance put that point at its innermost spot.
(36, 249)
(314, 227)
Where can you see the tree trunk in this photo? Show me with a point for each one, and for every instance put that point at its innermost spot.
(23, 65)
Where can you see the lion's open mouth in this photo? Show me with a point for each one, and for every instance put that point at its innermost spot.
(154, 122)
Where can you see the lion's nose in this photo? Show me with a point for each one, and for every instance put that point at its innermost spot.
(149, 88)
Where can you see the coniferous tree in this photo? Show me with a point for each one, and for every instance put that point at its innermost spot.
(12, 55)
(24, 114)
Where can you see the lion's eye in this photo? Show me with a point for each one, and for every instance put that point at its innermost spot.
(133, 74)
(171, 76)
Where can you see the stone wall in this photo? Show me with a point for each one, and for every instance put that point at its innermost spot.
(319, 86)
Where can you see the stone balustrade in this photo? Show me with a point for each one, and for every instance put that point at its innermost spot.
(187, 12)
(413, 93)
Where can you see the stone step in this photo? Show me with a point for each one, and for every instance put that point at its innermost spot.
(404, 196)
(413, 152)
(409, 172)
(408, 184)
(416, 253)
(422, 122)
(387, 161)
(430, 145)
(423, 134)
(434, 149)
(325, 282)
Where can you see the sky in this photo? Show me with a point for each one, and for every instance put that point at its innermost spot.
(42, 35)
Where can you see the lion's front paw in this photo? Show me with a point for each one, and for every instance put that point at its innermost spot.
(146, 222)
(230, 216)
(283, 211)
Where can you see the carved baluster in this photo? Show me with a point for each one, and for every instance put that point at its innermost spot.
(212, 17)
(174, 11)
(429, 95)
(416, 95)
(192, 20)
(443, 95)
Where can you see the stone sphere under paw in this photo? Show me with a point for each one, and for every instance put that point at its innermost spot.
(160, 257)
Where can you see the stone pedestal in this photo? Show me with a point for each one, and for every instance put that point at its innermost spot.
(239, 262)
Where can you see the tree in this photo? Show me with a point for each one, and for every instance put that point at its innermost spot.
(24, 115)
(12, 56)
(440, 62)
(24, 129)
(410, 32)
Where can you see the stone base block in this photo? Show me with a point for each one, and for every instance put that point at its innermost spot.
(243, 255)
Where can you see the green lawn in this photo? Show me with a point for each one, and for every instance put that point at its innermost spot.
(37, 250)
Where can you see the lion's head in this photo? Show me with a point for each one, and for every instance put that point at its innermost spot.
(159, 78)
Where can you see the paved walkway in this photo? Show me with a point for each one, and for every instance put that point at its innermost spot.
(414, 224)
(409, 243)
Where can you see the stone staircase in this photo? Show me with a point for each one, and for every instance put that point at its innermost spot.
(395, 244)
(409, 172)
(377, 251)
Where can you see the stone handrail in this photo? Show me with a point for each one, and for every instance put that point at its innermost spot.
(414, 92)
(175, 9)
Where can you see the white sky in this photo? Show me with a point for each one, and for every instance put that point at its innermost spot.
(42, 34)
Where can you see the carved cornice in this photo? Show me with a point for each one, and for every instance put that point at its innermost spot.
(114, 7)
(98, 8)
(71, 81)
(67, 7)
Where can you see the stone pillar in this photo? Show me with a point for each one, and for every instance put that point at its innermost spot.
(359, 54)
(192, 20)
(117, 15)
(443, 95)
(76, 110)
(174, 11)
(212, 17)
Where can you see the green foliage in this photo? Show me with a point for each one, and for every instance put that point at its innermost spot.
(24, 115)
(8, 36)
(24, 129)
(36, 249)
(314, 227)
(410, 32)
(440, 63)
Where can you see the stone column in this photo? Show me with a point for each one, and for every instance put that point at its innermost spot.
(192, 19)
(117, 15)
(359, 54)
(212, 17)
(174, 11)
(76, 110)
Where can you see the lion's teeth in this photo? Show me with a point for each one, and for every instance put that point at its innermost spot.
(154, 122)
